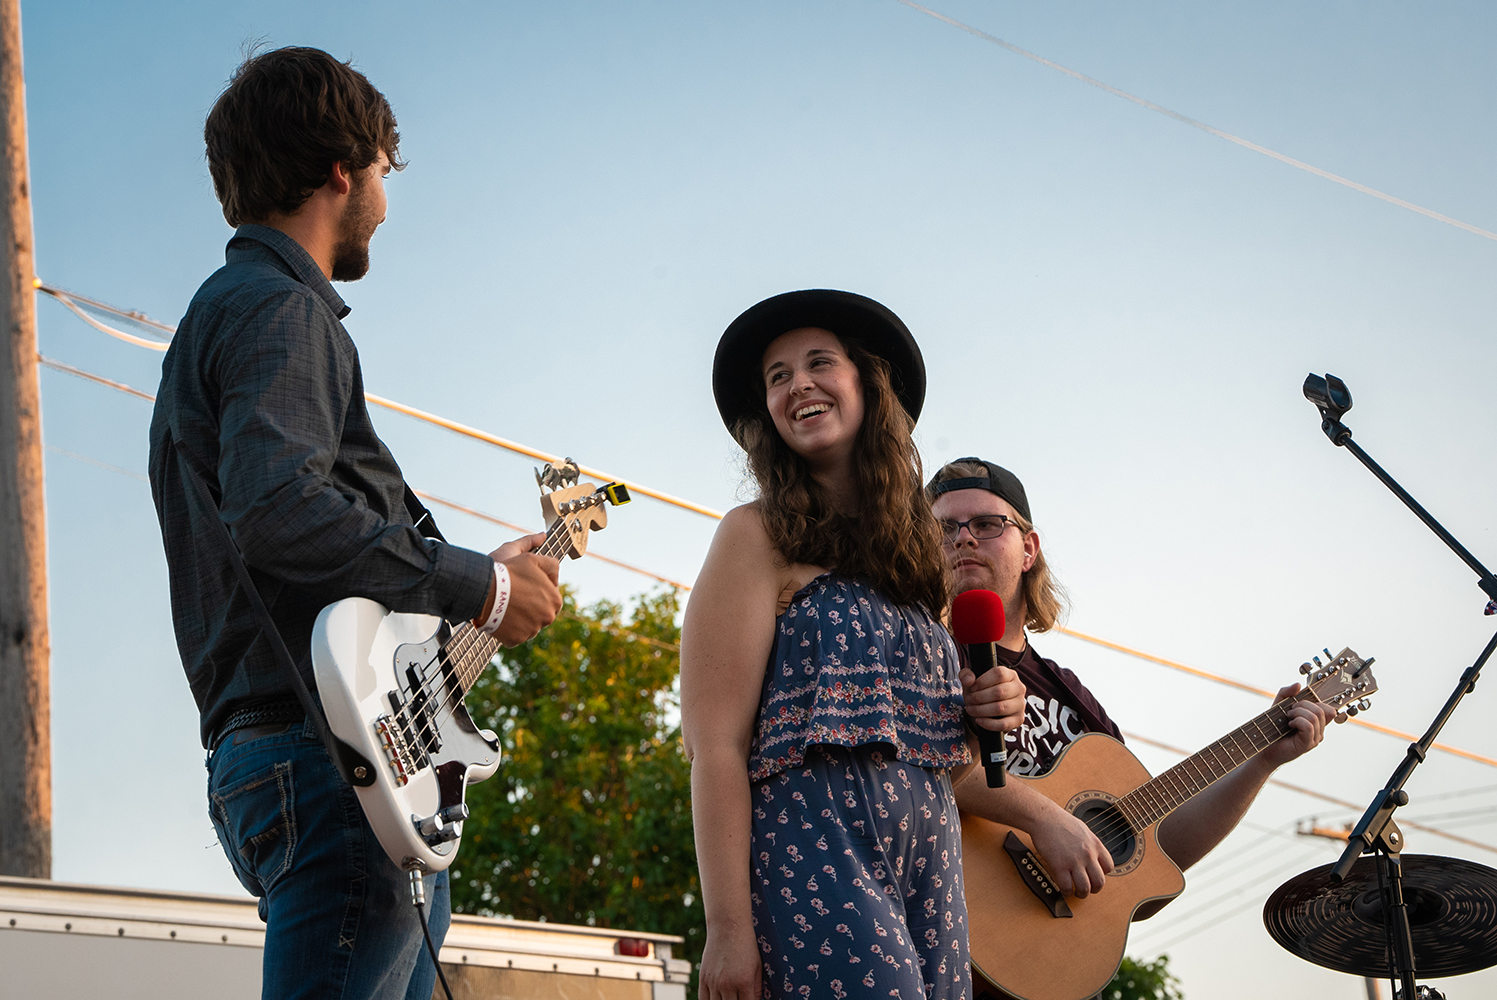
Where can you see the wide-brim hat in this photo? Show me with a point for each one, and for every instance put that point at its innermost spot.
(872, 326)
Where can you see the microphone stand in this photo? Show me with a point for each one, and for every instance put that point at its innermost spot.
(1376, 832)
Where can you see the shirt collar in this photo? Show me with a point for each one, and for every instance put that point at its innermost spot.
(303, 267)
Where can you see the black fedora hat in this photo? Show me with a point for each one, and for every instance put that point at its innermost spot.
(857, 318)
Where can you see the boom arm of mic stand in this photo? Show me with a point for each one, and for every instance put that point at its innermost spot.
(1340, 436)
(1485, 580)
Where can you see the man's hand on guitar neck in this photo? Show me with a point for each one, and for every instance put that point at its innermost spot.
(534, 597)
(1191, 832)
(1308, 718)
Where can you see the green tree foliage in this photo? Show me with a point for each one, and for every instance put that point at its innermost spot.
(588, 820)
(1137, 980)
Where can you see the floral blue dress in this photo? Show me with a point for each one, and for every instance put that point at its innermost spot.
(855, 841)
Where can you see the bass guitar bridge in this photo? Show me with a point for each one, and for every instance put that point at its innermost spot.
(392, 740)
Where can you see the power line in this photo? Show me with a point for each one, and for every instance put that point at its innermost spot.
(1193, 123)
(1176, 919)
(94, 461)
(134, 315)
(508, 445)
(67, 299)
(669, 647)
(1252, 881)
(1312, 793)
(60, 366)
(1243, 686)
(688, 505)
(1459, 793)
(122, 387)
(1242, 858)
(1198, 928)
(472, 512)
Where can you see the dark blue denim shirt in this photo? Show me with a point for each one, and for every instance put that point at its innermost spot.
(262, 385)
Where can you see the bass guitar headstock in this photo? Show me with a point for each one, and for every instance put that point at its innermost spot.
(1343, 681)
(574, 510)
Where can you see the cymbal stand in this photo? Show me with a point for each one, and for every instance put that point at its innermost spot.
(1375, 832)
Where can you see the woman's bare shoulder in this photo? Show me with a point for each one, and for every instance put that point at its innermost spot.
(741, 536)
(741, 551)
(743, 543)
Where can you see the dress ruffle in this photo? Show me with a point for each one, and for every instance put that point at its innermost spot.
(850, 667)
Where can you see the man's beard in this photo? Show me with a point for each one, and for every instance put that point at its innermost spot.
(355, 229)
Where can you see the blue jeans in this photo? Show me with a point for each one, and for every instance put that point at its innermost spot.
(338, 913)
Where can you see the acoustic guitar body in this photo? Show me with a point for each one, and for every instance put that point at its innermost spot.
(1017, 942)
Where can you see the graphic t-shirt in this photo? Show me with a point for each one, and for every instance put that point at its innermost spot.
(1058, 710)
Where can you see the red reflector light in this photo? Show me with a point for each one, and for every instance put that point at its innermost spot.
(633, 947)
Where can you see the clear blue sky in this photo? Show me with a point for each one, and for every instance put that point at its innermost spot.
(1116, 306)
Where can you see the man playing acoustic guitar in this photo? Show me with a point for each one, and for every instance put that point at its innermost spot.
(262, 398)
(991, 544)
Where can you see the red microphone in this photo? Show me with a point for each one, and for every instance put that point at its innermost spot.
(978, 622)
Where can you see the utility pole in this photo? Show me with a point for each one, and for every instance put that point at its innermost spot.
(1374, 986)
(25, 646)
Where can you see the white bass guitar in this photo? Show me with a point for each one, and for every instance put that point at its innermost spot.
(393, 685)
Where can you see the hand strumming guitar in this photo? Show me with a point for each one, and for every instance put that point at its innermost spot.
(1072, 853)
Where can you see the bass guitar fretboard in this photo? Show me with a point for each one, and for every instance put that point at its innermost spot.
(468, 650)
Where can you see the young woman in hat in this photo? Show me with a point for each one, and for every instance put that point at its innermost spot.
(820, 699)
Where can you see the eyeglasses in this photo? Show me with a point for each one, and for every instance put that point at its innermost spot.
(981, 528)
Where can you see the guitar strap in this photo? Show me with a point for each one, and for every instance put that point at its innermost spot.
(349, 763)
(421, 518)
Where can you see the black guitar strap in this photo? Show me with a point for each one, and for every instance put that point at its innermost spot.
(352, 766)
(421, 518)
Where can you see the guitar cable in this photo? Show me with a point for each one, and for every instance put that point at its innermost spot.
(418, 900)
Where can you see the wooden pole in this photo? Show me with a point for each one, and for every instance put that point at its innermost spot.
(25, 647)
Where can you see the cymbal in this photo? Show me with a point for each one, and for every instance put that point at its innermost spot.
(1452, 913)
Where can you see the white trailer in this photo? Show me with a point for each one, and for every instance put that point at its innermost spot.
(60, 940)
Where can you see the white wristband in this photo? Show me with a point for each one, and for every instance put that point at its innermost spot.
(501, 598)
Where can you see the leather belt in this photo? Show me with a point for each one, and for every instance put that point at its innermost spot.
(266, 713)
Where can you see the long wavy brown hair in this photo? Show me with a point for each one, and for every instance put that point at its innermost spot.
(888, 535)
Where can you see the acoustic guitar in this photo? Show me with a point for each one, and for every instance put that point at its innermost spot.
(1033, 943)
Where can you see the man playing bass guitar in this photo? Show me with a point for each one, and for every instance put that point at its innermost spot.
(262, 398)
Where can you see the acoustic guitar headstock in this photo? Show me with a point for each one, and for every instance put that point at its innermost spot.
(574, 510)
(1343, 681)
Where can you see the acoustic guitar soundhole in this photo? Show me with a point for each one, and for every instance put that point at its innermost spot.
(1111, 827)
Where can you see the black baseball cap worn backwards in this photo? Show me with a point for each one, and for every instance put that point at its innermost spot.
(998, 481)
(736, 384)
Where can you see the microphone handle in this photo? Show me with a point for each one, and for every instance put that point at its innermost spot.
(982, 657)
